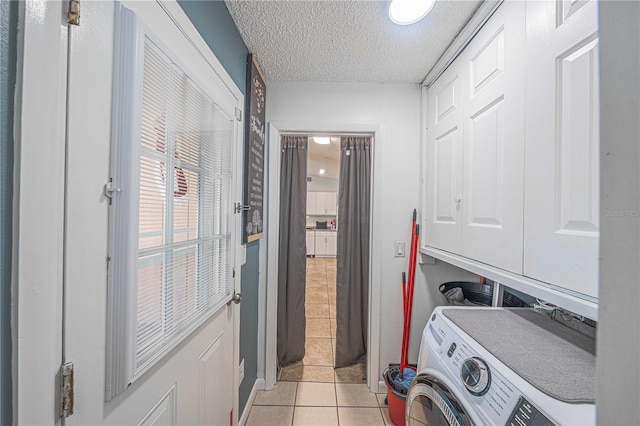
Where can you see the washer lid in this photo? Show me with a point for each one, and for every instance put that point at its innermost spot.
(554, 358)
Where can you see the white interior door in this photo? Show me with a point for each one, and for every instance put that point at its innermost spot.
(494, 141)
(195, 383)
(562, 145)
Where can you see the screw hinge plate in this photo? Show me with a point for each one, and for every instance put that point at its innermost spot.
(73, 17)
(66, 389)
(238, 114)
(238, 207)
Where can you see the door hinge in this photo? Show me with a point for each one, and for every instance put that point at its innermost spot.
(66, 390)
(238, 207)
(233, 274)
(73, 17)
(238, 114)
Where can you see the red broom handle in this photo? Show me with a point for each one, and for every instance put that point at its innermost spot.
(411, 287)
(406, 314)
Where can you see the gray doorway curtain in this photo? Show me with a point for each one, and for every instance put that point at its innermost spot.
(292, 258)
(352, 279)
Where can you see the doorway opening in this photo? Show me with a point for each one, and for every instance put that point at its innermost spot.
(323, 282)
(272, 306)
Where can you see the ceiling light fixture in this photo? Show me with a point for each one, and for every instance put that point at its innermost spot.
(405, 12)
(322, 140)
(322, 171)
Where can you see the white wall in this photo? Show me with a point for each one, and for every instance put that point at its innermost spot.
(322, 184)
(396, 110)
(617, 368)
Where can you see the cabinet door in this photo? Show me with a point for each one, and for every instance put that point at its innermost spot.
(321, 243)
(311, 243)
(311, 203)
(332, 245)
(321, 203)
(493, 113)
(444, 161)
(331, 203)
(561, 222)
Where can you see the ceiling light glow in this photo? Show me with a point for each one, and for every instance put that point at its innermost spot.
(322, 171)
(405, 12)
(322, 140)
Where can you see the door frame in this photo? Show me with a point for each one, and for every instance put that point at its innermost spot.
(268, 309)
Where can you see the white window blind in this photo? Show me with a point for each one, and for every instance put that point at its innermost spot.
(171, 223)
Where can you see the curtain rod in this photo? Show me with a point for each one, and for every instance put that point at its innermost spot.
(326, 134)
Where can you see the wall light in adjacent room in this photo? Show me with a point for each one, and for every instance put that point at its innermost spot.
(405, 12)
(322, 140)
(322, 171)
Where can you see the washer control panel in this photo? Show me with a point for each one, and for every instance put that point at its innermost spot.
(527, 414)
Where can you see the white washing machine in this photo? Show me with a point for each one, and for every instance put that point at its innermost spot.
(498, 366)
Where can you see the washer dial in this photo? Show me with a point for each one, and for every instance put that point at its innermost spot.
(476, 376)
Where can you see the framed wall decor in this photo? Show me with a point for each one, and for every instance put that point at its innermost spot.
(254, 136)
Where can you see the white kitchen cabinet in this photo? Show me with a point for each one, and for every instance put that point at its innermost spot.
(332, 245)
(327, 203)
(475, 146)
(312, 201)
(311, 243)
(321, 203)
(561, 216)
(326, 243)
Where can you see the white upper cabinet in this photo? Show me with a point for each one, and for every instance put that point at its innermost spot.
(444, 168)
(321, 203)
(562, 145)
(475, 144)
(493, 130)
(512, 156)
(311, 202)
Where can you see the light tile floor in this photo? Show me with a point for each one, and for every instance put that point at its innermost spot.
(311, 391)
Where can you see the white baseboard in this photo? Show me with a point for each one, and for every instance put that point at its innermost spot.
(258, 385)
(382, 387)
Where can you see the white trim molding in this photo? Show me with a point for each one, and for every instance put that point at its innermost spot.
(273, 205)
(258, 385)
(579, 304)
(456, 47)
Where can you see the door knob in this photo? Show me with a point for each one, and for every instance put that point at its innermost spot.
(236, 298)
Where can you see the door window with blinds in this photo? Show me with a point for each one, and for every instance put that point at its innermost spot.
(171, 227)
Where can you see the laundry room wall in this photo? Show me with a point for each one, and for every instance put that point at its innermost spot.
(216, 27)
(395, 108)
(618, 340)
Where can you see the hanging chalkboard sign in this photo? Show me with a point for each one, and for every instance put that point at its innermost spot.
(254, 136)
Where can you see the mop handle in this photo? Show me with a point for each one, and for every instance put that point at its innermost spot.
(407, 315)
(411, 287)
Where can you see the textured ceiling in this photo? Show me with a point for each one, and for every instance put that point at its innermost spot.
(345, 40)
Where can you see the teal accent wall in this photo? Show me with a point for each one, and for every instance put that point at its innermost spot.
(8, 39)
(213, 21)
(249, 321)
(215, 25)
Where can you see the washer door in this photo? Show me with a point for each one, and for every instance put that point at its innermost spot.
(430, 402)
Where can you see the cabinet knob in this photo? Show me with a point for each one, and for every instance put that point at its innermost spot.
(457, 200)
